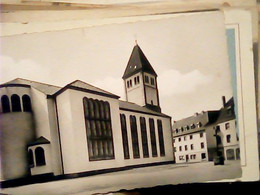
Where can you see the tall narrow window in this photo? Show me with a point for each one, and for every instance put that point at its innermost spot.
(30, 158)
(153, 137)
(138, 80)
(228, 138)
(161, 139)
(27, 107)
(16, 104)
(144, 137)
(5, 104)
(98, 129)
(227, 125)
(237, 154)
(124, 136)
(134, 136)
(180, 148)
(146, 79)
(40, 156)
(152, 81)
(202, 145)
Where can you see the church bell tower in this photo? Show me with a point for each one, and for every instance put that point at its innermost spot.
(140, 81)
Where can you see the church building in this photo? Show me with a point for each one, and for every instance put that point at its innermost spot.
(79, 128)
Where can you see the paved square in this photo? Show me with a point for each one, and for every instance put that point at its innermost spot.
(134, 178)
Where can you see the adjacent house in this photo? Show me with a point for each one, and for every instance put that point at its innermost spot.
(205, 135)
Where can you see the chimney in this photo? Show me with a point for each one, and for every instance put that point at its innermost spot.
(224, 100)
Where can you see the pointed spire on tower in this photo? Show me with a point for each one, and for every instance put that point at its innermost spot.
(138, 62)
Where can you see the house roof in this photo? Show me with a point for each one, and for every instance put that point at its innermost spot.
(52, 90)
(205, 118)
(39, 141)
(82, 86)
(132, 107)
(227, 113)
(44, 88)
(138, 62)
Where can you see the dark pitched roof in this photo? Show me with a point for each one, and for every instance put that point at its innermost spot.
(138, 62)
(82, 86)
(44, 88)
(230, 102)
(132, 107)
(204, 118)
(39, 141)
(228, 112)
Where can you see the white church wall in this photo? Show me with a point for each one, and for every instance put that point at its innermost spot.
(9, 91)
(74, 139)
(17, 130)
(40, 112)
(66, 132)
(150, 89)
(151, 95)
(55, 142)
(76, 133)
(43, 169)
(135, 93)
(80, 131)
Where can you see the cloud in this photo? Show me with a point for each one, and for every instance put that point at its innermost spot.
(25, 68)
(172, 82)
(111, 84)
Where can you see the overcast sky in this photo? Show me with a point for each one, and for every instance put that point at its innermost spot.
(188, 53)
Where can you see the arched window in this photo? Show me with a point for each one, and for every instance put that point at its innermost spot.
(86, 107)
(144, 137)
(91, 108)
(134, 136)
(40, 156)
(16, 104)
(124, 136)
(96, 109)
(98, 129)
(161, 139)
(27, 107)
(30, 158)
(153, 137)
(5, 104)
(107, 111)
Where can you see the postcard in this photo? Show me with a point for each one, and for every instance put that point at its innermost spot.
(135, 103)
